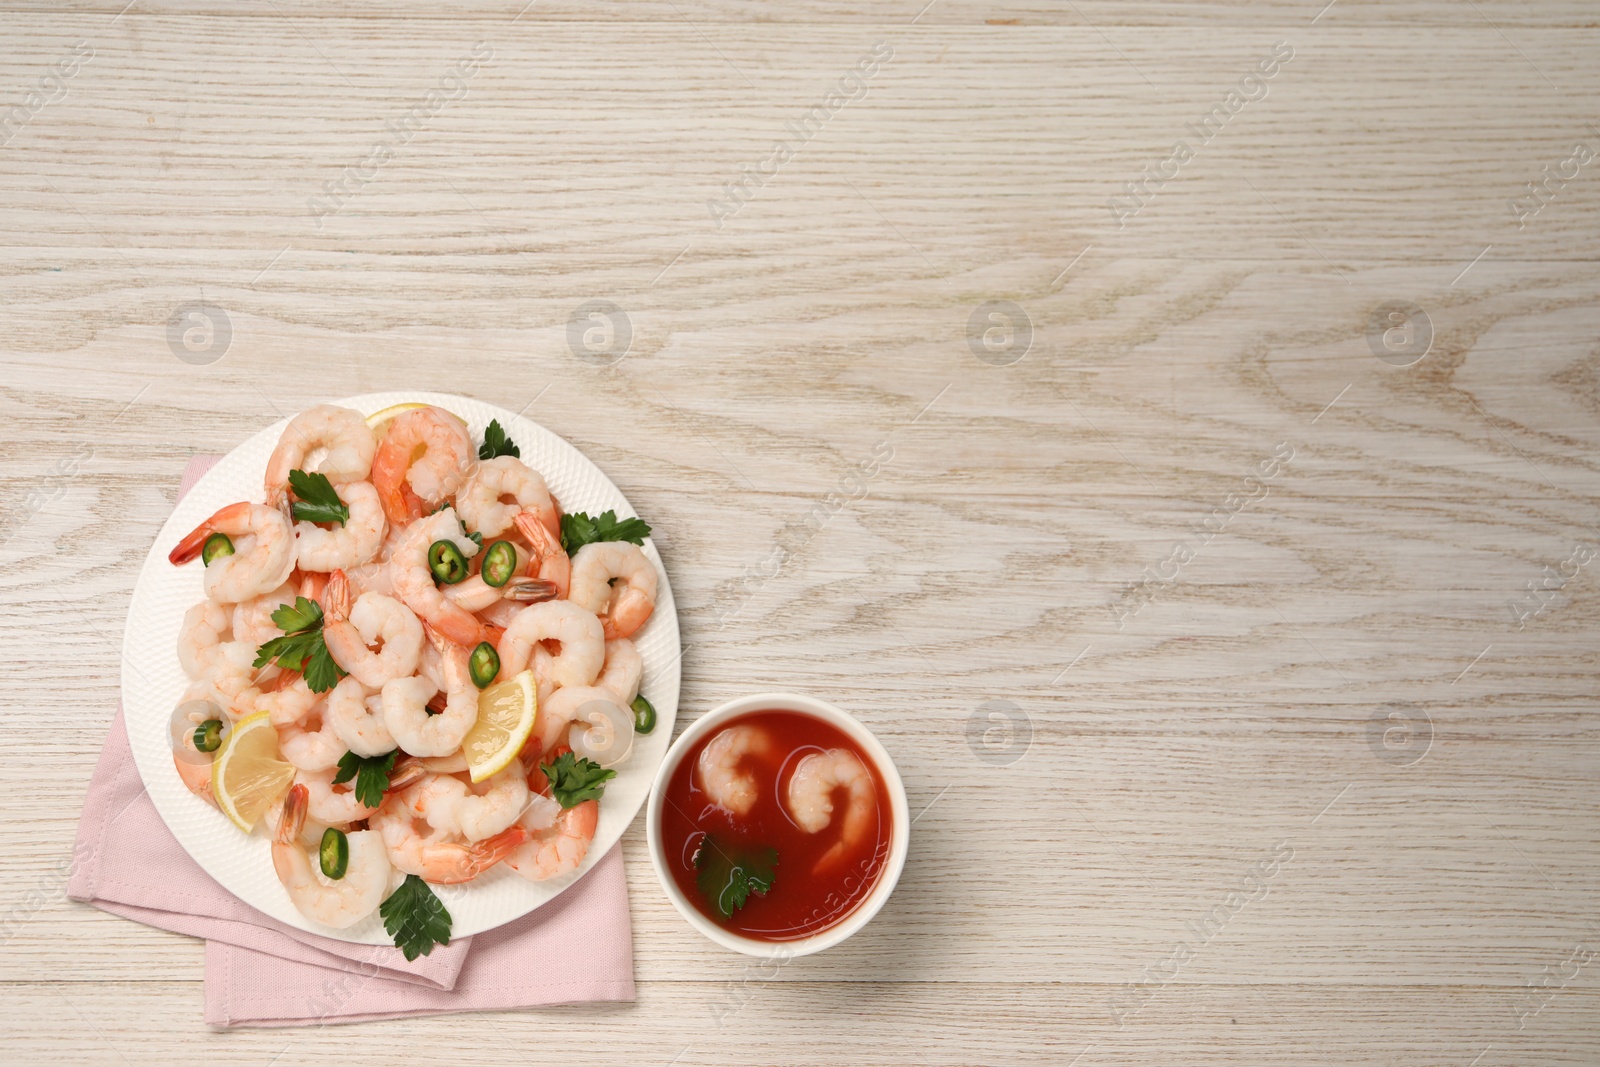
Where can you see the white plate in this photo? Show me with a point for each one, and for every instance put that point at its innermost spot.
(153, 682)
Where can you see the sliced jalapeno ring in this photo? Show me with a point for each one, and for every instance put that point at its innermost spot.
(483, 665)
(208, 735)
(334, 853)
(216, 546)
(499, 563)
(447, 563)
(644, 715)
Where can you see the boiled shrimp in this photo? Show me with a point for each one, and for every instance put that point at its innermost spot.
(540, 663)
(423, 459)
(286, 699)
(558, 847)
(414, 584)
(348, 544)
(234, 682)
(550, 561)
(337, 903)
(194, 766)
(416, 848)
(500, 613)
(375, 575)
(810, 799)
(263, 551)
(497, 490)
(405, 705)
(582, 639)
(616, 581)
(205, 628)
(722, 775)
(352, 630)
(311, 830)
(334, 805)
(341, 437)
(310, 743)
(475, 811)
(590, 720)
(622, 670)
(252, 619)
(196, 777)
(356, 714)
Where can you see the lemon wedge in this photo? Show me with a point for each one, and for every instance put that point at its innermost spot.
(248, 776)
(506, 712)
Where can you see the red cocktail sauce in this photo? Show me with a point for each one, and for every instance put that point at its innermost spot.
(804, 898)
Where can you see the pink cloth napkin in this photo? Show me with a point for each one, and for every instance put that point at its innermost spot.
(260, 972)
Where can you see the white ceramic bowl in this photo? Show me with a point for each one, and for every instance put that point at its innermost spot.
(899, 825)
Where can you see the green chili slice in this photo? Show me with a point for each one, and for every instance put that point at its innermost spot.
(499, 563)
(208, 735)
(483, 664)
(216, 546)
(644, 715)
(447, 563)
(334, 853)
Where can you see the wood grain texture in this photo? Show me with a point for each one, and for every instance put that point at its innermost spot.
(1201, 657)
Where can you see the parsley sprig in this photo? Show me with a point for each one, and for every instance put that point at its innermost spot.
(316, 500)
(574, 780)
(578, 529)
(729, 875)
(301, 648)
(496, 443)
(415, 918)
(371, 774)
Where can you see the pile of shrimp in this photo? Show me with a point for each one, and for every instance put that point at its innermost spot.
(404, 642)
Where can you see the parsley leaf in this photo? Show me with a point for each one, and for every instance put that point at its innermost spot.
(317, 501)
(302, 615)
(496, 443)
(574, 780)
(415, 918)
(301, 648)
(371, 774)
(321, 672)
(578, 529)
(728, 876)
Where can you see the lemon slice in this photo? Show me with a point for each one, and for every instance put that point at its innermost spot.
(505, 719)
(379, 420)
(248, 776)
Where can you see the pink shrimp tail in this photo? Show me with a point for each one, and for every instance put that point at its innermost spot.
(636, 619)
(295, 805)
(336, 597)
(492, 850)
(554, 518)
(190, 546)
(407, 772)
(454, 627)
(310, 584)
(389, 468)
(550, 560)
(435, 638)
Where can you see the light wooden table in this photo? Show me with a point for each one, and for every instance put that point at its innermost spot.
(1199, 624)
